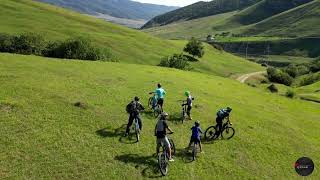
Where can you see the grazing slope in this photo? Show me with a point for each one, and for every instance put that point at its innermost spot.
(198, 10)
(129, 46)
(44, 136)
(266, 18)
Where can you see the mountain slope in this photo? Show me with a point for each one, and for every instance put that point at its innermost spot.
(129, 46)
(266, 18)
(300, 21)
(122, 9)
(44, 136)
(198, 10)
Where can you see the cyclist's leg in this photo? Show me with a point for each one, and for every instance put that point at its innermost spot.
(199, 142)
(160, 102)
(219, 125)
(130, 121)
(158, 141)
(139, 121)
(189, 112)
(167, 145)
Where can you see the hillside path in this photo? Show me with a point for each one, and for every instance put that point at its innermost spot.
(244, 77)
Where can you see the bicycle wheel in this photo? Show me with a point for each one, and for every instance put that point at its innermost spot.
(156, 111)
(150, 101)
(173, 147)
(228, 133)
(210, 133)
(163, 164)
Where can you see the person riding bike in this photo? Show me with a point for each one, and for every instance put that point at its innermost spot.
(134, 108)
(188, 103)
(160, 93)
(221, 115)
(161, 134)
(196, 135)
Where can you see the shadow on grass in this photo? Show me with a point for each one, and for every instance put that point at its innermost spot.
(149, 114)
(175, 118)
(149, 164)
(118, 132)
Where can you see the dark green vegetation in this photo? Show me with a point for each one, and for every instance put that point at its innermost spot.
(198, 10)
(195, 48)
(45, 136)
(178, 61)
(127, 45)
(119, 8)
(77, 48)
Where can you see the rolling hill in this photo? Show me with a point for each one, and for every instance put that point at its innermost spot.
(44, 136)
(271, 18)
(198, 10)
(128, 45)
(118, 11)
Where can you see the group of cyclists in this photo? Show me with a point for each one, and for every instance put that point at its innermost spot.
(135, 107)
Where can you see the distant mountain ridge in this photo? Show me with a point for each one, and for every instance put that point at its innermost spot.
(199, 10)
(121, 9)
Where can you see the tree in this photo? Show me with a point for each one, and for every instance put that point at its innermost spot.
(194, 47)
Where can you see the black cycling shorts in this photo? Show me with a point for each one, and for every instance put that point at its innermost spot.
(160, 102)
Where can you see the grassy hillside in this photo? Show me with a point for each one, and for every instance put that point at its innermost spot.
(198, 10)
(264, 19)
(44, 136)
(129, 46)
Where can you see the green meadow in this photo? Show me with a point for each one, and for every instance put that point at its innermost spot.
(44, 136)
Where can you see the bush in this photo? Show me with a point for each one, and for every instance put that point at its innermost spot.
(273, 88)
(77, 48)
(309, 79)
(178, 61)
(315, 66)
(6, 43)
(290, 93)
(194, 47)
(296, 70)
(278, 76)
(28, 44)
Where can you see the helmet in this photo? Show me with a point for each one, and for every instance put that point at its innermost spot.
(187, 93)
(159, 85)
(164, 115)
(197, 123)
(229, 109)
(136, 98)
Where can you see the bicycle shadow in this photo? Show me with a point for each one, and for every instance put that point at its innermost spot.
(105, 132)
(149, 164)
(175, 118)
(184, 154)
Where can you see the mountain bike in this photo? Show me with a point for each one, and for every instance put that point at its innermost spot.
(163, 157)
(136, 129)
(152, 104)
(152, 101)
(184, 111)
(227, 132)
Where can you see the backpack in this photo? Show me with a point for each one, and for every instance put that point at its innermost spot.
(130, 107)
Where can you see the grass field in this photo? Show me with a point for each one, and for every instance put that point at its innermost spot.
(128, 45)
(44, 136)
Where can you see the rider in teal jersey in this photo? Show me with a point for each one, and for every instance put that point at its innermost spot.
(160, 93)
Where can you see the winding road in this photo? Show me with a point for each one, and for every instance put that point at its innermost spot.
(244, 77)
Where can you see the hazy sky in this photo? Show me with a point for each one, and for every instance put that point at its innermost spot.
(170, 2)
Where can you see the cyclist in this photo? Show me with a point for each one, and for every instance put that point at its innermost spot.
(160, 93)
(196, 135)
(221, 115)
(134, 109)
(161, 134)
(189, 103)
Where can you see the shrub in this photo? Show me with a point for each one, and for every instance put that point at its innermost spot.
(76, 48)
(194, 47)
(315, 66)
(278, 76)
(178, 61)
(6, 43)
(309, 79)
(296, 70)
(273, 88)
(28, 44)
(290, 93)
